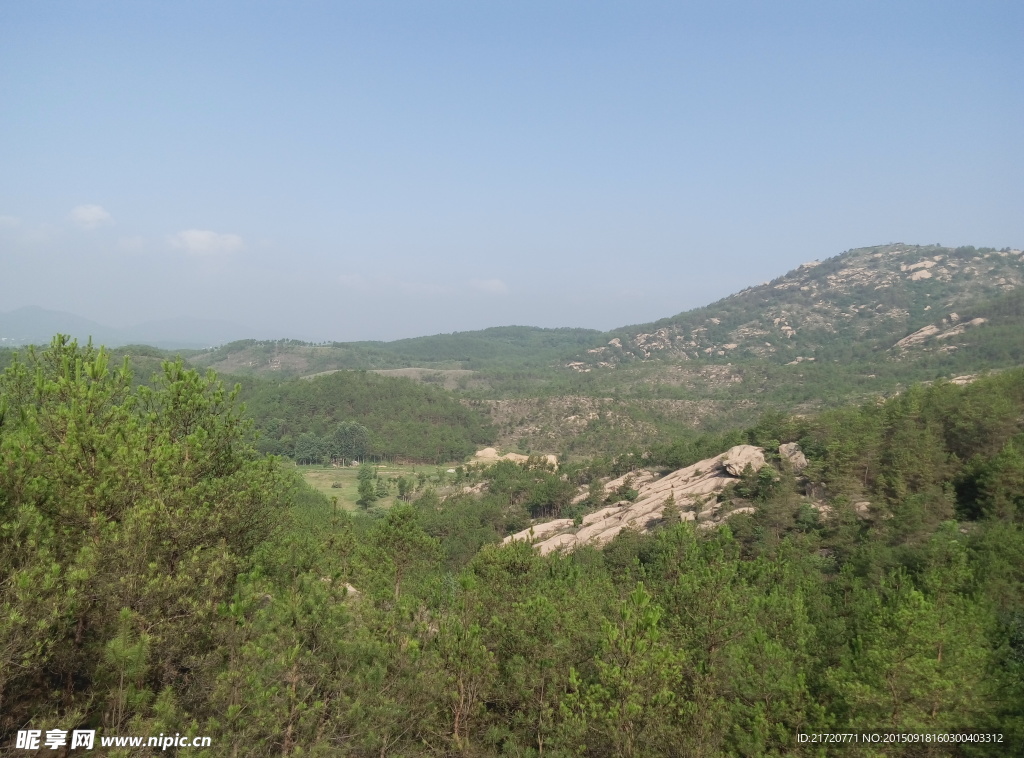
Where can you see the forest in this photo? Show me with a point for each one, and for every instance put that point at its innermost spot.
(161, 574)
(400, 419)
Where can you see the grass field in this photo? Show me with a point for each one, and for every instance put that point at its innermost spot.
(322, 479)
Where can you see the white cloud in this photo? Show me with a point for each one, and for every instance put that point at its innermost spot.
(9, 222)
(90, 216)
(204, 242)
(489, 286)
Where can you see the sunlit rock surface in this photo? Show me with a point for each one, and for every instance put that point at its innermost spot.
(690, 490)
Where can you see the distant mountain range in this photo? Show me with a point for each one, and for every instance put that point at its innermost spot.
(890, 302)
(865, 323)
(33, 325)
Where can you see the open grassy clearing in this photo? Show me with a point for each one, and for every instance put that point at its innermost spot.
(323, 479)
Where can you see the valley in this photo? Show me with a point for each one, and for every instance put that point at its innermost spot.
(798, 508)
(511, 380)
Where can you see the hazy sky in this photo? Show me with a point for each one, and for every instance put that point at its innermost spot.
(375, 170)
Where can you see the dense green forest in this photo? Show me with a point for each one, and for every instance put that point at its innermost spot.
(160, 575)
(401, 419)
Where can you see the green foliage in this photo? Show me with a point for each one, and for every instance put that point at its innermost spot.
(367, 487)
(354, 415)
(402, 541)
(498, 349)
(125, 513)
(630, 706)
(158, 574)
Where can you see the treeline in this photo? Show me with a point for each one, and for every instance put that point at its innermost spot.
(348, 442)
(498, 348)
(399, 419)
(932, 453)
(159, 576)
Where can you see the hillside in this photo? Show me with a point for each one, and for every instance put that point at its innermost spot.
(495, 348)
(862, 301)
(868, 322)
(403, 420)
(858, 308)
(864, 578)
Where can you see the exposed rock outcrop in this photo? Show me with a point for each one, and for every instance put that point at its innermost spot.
(791, 452)
(636, 479)
(689, 490)
(736, 459)
(949, 327)
(490, 455)
(537, 531)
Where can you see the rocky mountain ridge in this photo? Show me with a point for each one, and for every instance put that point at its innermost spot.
(881, 294)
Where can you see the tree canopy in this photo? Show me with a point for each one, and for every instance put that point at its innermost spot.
(355, 414)
(158, 574)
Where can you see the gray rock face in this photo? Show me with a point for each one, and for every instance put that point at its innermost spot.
(688, 489)
(556, 543)
(816, 491)
(791, 452)
(636, 478)
(949, 327)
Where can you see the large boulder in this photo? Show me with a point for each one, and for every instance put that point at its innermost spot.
(738, 458)
(791, 452)
(491, 455)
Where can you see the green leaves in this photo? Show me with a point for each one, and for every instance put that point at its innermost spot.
(353, 414)
(918, 663)
(124, 517)
(403, 542)
(629, 707)
(157, 574)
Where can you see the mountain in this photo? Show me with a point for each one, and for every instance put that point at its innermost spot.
(859, 306)
(867, 323)
(864, 301)
(33, 325)
(496, 348)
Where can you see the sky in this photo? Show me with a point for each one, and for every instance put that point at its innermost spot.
(380, 170)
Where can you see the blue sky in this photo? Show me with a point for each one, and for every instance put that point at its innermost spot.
(380, 170)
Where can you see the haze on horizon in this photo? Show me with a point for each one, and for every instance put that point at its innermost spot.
(351, 171)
